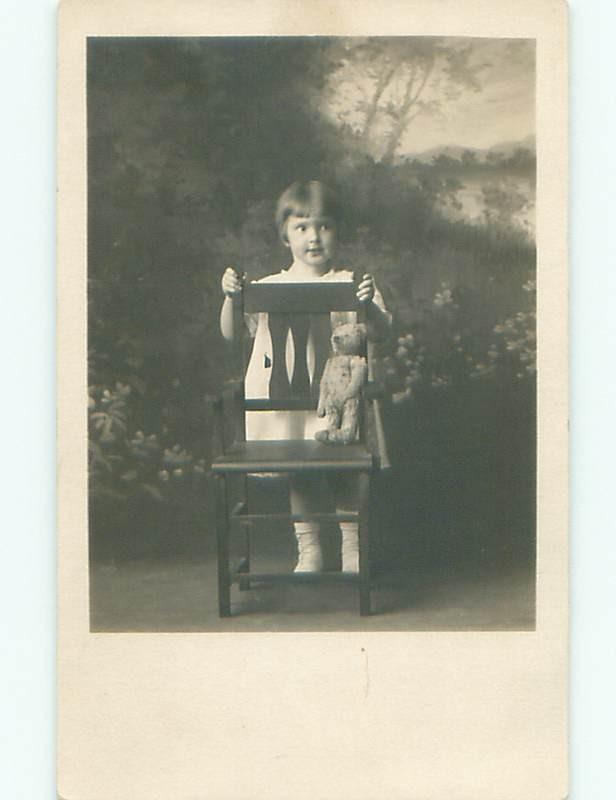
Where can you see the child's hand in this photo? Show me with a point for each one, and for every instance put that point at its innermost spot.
(365, 290)
(232, 282)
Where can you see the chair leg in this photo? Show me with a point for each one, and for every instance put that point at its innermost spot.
(244, 566)
(222, 536)
(244, 583)
(364, 544)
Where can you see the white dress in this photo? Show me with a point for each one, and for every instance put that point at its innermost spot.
(276, 425)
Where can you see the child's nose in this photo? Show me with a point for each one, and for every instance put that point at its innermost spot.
(314, 234)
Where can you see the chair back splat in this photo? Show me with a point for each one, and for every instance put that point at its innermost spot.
(297, 314)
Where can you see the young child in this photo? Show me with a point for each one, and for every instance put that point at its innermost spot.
(307, 216)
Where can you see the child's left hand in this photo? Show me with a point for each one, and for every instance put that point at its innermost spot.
(365, 290)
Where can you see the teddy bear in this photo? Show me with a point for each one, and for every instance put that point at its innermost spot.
(344, 375)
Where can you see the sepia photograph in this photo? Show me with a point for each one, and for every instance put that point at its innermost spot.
(312, 400)
(311, 333)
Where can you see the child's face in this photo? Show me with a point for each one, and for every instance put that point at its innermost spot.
(312, 240)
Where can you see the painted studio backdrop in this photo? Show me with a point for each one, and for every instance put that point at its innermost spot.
(430, 145)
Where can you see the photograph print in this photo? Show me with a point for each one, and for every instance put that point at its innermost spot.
(311, 333)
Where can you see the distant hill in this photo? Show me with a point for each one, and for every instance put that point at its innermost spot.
(508, 148)
(504, 149)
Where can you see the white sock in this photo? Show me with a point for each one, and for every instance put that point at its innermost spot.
(310, 558)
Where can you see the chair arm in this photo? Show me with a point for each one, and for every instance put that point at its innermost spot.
(230, 391)
(381, 441)
(374, 390)
(216, 404)
(225, 405)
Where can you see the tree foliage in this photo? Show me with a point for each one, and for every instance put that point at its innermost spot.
(382, 85)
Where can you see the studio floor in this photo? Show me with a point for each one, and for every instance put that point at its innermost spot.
(179, 594)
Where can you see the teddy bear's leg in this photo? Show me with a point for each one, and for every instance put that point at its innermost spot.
(348, 428)
(332, 420)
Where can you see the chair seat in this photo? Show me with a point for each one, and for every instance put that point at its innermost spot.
(293, 456)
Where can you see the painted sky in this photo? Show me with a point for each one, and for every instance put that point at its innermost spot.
(501, 111)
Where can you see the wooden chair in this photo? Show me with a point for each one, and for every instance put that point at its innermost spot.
(295, 309)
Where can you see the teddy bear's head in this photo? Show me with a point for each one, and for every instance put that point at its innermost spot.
(349, 339)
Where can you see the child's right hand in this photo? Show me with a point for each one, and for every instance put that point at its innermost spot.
(232, 282)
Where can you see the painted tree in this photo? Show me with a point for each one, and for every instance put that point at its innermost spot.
(383, 84)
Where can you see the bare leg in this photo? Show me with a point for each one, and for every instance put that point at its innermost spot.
(305, 492)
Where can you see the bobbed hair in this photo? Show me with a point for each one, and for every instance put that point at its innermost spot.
(305, 199)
